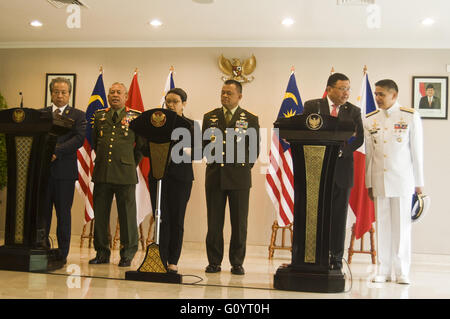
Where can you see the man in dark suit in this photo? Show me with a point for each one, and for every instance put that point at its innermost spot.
(335, 104)
(231, 147)
(117, 154)
(430, 101)
(63, 169)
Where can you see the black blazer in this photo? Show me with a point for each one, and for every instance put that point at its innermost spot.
(435, 104)
(343, 175)
(65, 166)
(179, 171)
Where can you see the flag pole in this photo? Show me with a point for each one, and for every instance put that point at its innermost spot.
(292, 69)
(332, 70)
(365, 69)
(101, 69)
(135, 70)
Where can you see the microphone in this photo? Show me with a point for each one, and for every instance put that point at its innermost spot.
(21, 99)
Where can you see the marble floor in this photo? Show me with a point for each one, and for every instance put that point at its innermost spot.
(430, 277)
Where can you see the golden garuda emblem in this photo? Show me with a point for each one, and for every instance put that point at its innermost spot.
(158, 119)
(18, 116)
(314, 122)
(236, 70)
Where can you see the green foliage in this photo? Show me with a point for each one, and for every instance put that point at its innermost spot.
(3, 163)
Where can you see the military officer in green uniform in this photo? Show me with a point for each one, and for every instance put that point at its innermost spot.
(231, 146)
(117, 155)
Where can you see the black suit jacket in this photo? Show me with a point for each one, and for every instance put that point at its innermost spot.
(344, 165)
(65, 166)
(435, 103)
(234, 174)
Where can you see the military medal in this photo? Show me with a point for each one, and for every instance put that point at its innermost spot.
(399, 139)
(101, 133)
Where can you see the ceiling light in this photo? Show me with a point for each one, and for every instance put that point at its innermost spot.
(287, 22)
(36, 23)
(427, 21)
(155, 23)
(203, 1)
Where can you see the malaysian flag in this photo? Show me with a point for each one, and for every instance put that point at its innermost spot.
(280, 174)
(85, 154)
(359, 202)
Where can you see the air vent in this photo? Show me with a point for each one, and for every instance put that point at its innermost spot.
(354, 2)
(60, 3)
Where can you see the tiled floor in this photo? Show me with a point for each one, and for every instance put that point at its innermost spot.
(430, 275)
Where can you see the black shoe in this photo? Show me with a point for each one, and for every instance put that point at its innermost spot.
(125, 262)
(213, 268)
(237, 270)
(99, 260)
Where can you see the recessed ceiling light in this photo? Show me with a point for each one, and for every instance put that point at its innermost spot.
(203, 1)
(155, 23)
(36, 23)
(287, 22)
(427, 21)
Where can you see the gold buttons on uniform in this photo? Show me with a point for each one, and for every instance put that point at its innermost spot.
(223, 153)
(222, 165)
(109, 160)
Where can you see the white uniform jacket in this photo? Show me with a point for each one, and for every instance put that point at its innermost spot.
(394, 151)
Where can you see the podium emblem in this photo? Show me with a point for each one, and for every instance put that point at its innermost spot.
(18, 116)
(158, 119)
(314, 121)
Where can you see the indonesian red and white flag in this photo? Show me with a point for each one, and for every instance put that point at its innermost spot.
(143, 203)
(360, 203)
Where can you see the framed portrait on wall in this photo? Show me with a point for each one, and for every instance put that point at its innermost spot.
(72, 77)
(430, 96)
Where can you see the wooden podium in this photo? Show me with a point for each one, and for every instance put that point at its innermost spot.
(315, 140)
(30, 142)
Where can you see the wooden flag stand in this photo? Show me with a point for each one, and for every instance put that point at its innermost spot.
(372, 250)
(273, 246)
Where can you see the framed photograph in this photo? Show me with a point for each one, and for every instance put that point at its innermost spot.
(430, 96)
(72, 77)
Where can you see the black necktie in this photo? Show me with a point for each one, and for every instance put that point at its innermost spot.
(115, 116)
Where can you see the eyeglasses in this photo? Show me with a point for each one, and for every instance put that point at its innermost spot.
(343, 89)
(60, 92)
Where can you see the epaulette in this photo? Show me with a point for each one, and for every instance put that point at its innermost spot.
(407, 109)
(134, 111)
(372, 113)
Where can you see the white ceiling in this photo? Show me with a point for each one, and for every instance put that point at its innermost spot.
(241, 23)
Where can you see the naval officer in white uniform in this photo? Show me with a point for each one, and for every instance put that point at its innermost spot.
(394, 171)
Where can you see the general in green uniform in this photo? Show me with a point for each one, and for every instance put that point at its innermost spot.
(117, 155)
(231, 146)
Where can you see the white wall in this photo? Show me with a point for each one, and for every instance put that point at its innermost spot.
(198, 73)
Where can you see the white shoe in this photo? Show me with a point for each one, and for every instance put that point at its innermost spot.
(403, 280)
(381, 278)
